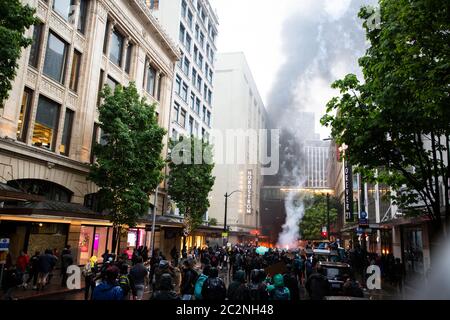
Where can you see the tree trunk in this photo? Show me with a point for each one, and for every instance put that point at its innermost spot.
(184, 250)
(115, 240)
(435, 234)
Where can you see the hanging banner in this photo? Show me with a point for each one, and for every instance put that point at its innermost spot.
(248, 207)
(348, 181)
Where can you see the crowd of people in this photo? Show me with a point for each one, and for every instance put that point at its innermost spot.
(201, 273)
(35, 272)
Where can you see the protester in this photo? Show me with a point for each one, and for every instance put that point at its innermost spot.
(165, 291)
(238, 290)
(188, 279)
(278, 291)
(317, 284)
(214, 287)
(138, 273)
(90, 272)
(109, 289)
(200, 281)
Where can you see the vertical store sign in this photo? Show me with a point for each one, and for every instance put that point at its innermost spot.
(348, 181)
(248, 206)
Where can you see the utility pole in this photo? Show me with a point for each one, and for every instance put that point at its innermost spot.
(225, 230)
(328, 216)
(155, 206)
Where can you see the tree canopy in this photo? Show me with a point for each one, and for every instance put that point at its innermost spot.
(190, 179)
(397, 122)
(15, 19)
(315, 217)
(129, 162)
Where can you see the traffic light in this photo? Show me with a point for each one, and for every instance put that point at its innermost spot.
(324, 232)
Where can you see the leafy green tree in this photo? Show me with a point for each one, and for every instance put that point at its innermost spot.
(15, 19)
(128, 165)
(315, 216)
(397, 120)
(190, 179)
(212, 222)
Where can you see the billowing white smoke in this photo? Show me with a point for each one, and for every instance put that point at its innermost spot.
(295, 209)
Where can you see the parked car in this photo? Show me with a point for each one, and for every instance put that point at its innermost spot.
(335, 272)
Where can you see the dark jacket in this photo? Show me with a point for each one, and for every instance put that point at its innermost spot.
(138, 274)
(214, 289)
(107, 291)
(290, 281)
(189, 278)
(46, 263)
(237, 290)
(317, 286)
(166, 291)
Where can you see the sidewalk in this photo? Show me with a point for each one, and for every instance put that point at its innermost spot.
(54, 288)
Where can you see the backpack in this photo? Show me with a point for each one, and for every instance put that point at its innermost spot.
(215, 288)
(280, 294)
(124, 283)
(255, 291)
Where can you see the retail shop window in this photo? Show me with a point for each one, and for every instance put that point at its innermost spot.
(65, 8)
(67, 132)
(116, 48)
(75, 71)
(36, 45)
(55, 58)
(24, 116)
(82, 17)
(46, 124)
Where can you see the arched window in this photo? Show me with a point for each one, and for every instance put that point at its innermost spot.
(50, 190)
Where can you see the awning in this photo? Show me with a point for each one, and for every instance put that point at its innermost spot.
(53, 208)
(405, 221)
(373, 226)
(8, 193)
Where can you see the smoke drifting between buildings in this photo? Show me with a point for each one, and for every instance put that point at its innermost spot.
(322, 41)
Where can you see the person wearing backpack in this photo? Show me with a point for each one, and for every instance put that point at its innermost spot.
(257, 290)
(109, 289)
(278, 291)
(200, 281)
(214, 287)
(237, 290)
(188, 280)
(291, 282)
(124, 282)
(165, 291)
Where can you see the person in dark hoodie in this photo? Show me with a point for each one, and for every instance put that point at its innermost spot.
(291, 282)
(257, 289)
(46, 263)
(109, 288)
(238, 291)
(214, 287)
(165, 291)
(317, 285)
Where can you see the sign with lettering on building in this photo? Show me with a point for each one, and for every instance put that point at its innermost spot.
(248, 200)
(348, 192)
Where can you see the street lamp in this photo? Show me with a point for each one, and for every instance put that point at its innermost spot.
(227, 195)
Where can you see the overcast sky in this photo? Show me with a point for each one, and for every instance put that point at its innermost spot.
(294, 47)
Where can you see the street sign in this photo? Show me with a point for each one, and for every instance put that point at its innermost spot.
(359, 231)
(363, 221)
(224, 234)
(4, 244)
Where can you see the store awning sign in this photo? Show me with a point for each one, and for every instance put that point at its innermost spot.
(4, 244)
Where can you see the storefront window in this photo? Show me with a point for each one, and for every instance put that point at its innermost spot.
(85, 244)
(94, 241)
(413, 251)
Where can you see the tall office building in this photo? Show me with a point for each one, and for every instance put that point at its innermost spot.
(194, 24)
(238, 106)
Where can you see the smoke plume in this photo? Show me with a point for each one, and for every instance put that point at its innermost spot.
(322, 40)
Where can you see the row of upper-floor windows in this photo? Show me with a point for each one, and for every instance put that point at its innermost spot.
(182, 89)
(192, 73)
(187, 14)
(69, 10)
(186, 40)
